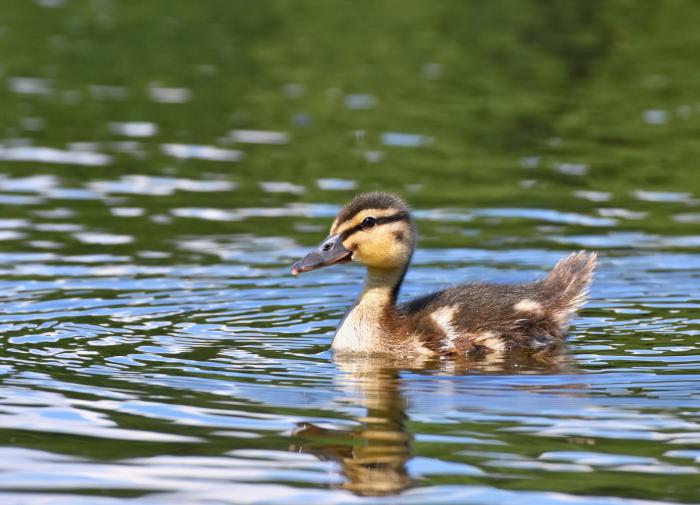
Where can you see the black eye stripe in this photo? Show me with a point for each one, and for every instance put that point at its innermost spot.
(400, 216)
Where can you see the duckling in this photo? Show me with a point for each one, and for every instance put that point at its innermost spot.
(376, 230)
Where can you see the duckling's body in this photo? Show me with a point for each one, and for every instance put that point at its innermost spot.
(376, 229)
(469, 317)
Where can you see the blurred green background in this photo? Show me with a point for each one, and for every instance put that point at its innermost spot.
(503, 103)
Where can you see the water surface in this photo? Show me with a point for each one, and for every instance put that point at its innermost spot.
(162, 165)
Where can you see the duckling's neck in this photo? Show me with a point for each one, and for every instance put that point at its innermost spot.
(371, 318)
(382, 286)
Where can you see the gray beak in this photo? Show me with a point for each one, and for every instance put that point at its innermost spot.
(330, 252)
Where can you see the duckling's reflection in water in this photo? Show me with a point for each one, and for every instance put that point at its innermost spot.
(373, 456)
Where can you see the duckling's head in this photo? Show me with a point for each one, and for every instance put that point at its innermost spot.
(374, 229)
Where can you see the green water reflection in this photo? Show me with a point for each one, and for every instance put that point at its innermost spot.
(490, 82)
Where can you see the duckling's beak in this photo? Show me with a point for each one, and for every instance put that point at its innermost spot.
(329, 252)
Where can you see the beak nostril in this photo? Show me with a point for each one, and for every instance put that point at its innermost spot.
(329, 252)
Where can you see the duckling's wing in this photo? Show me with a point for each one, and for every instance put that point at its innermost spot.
(494, 315)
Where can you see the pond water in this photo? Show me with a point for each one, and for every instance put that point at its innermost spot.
(163, 163)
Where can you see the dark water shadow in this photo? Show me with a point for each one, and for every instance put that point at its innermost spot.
(374, 454)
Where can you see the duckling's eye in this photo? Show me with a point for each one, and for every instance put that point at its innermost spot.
(368, 222)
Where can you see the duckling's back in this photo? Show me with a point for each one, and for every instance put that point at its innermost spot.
(496, 317)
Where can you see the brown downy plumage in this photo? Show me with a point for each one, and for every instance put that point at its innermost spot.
(375, 229)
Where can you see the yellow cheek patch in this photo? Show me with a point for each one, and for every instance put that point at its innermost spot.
(379, 248)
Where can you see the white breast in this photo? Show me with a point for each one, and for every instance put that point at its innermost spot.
(358, 332)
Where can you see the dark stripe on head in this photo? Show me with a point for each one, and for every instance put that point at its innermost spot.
(399, 216)
(374, 200)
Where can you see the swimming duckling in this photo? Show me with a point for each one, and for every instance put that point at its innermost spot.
(376, 229)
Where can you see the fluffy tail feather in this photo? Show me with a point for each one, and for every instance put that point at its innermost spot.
(568, 283)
